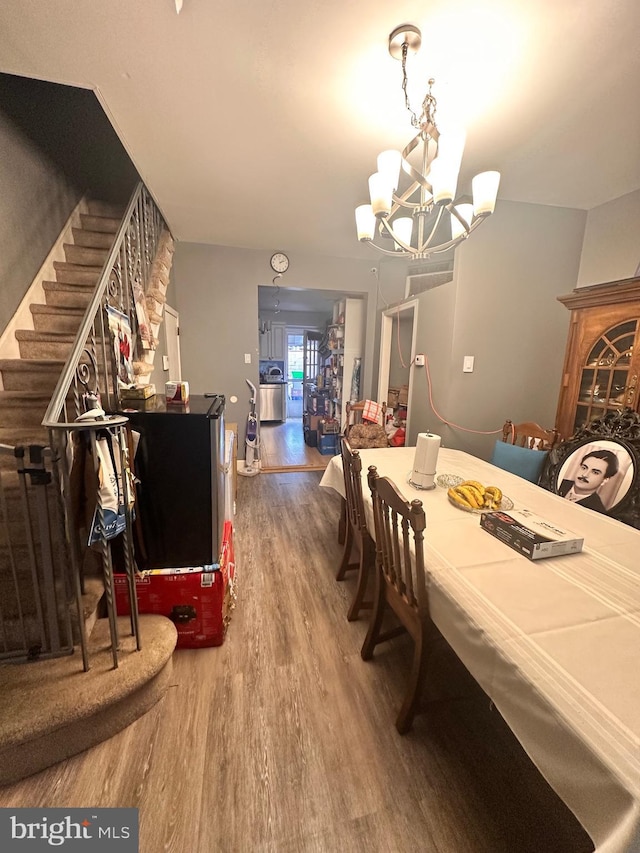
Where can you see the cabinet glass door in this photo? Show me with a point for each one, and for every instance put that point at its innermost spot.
(607, 380)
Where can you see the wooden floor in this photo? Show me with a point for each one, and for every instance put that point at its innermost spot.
(282, 448)
(283, 740)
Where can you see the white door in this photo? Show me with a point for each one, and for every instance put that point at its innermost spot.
(172, 333)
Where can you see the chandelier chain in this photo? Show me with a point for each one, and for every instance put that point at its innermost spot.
(428, 114)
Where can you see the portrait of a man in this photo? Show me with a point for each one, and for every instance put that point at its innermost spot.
(596, 475)
(595, 468)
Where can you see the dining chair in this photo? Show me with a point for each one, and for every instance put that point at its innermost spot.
(363, 434)
(530, 435)
(400, 585)
(524, 449)
(356, 535)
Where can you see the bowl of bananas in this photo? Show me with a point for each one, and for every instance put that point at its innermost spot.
(472, 496)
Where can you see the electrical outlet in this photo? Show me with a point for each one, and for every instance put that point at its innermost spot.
(419, 360)
(247, 358)
(467, 363)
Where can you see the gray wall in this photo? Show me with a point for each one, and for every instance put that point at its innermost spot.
(35, 202)
(611, 249)
(56, 145)
(502, 309)
(216, 290)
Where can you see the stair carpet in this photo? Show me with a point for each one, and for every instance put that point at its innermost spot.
(30, 380)
(63, 710)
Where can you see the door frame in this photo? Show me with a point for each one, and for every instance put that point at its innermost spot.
(386, 342)
(172, 341)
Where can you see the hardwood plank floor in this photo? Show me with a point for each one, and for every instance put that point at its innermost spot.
(283, 448)
(283, 740)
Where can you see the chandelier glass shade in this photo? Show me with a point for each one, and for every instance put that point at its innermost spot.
(413, 192)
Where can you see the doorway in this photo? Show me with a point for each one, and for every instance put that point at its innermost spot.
(283, 446)
(295, 357)
(398, 334)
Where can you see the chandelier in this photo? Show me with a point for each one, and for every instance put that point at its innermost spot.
(413, 215)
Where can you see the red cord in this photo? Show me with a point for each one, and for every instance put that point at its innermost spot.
(444, 420)
(435, 411)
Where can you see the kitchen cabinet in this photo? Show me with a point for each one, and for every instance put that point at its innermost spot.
(602, 358)
(273, 342)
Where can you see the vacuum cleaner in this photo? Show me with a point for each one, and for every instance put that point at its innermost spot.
(252, 441)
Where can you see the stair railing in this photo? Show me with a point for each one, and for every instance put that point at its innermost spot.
(129, 262)
(89, 381)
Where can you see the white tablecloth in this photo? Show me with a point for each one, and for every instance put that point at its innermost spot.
(555, 643)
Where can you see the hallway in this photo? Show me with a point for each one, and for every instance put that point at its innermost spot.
(283, 448)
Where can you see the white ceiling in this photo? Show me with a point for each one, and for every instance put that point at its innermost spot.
(256, 124)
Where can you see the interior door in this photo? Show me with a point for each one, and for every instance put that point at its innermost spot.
(397, 352)
(311, 365)
(172, 338)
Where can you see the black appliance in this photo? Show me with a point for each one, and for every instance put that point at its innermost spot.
(180, 464)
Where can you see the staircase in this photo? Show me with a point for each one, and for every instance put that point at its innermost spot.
(29, 380)
(50, 709)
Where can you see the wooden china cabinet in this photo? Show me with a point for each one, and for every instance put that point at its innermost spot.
(602, 359)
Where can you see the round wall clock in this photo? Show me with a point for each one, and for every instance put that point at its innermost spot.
(279, 262)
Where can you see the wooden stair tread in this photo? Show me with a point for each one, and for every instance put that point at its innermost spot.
(28, 365)
(68, 285)
(27, 396)
(43, 308)
(32, 335)
(105, 209)
(104, 224)
(91, 239)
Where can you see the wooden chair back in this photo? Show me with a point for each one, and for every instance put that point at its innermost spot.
(401, 584)
(396, 523)
(356, 534)
(530, 435)
(354, 413)
(352, 470)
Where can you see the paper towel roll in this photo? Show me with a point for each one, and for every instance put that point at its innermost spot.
(425, 460)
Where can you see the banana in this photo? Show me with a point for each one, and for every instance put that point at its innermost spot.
(471, 495)
(477, 494)
(458, 498)
(493, 497)
(474, 484)
(494, 492)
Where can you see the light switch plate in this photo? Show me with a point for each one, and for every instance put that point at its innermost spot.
(247, 358)
(467, 364)
(165, 362)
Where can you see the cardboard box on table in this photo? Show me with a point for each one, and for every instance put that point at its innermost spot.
(529, 534)
(198, 600)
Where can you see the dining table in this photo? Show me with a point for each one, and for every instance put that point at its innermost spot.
(554, 642)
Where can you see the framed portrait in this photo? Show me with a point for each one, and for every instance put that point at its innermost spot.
(120, 329)
(599, 467)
